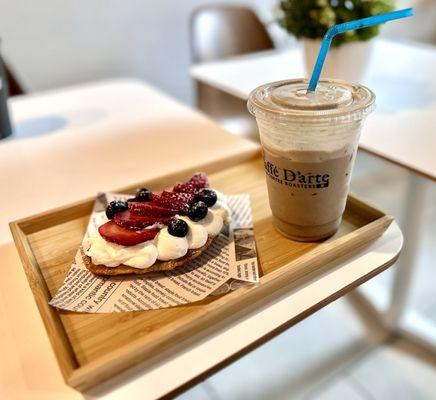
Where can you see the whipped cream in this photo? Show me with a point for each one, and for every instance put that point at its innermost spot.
(222, 209)
(212, 222)
(197, 234)
(142, 255)
(170, 247)
(220, 196)
(164, 246)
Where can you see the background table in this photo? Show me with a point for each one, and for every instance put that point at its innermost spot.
(108, 135)
(402, 130)
(98, 137)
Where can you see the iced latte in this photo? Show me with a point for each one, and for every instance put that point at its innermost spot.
(309, 144)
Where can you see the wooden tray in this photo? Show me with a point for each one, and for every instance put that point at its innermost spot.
(93, 347)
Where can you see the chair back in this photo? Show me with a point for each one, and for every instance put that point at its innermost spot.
(14, 86)
(220, 31)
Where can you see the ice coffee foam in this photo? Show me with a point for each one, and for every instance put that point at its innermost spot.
(291, 119)
(300, 141)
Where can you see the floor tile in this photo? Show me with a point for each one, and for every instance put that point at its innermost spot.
(386, 185)
(342, 388)
(290, 365)
(395, 372)
(199, 392)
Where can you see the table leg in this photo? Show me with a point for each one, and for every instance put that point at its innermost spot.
(406, 265)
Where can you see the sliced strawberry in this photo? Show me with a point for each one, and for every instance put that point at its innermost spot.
(186, 197)
(129, 219)
(174, 201)
(186, 187)
(111, 232)
(197, 182)
(151, 209)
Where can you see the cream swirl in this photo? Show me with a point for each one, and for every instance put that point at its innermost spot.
(222, 209)
(212, 222)
(170, 247)
(197, 234)
(221, 197)
(142, 255)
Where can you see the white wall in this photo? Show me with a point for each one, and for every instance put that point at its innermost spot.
(52, 43)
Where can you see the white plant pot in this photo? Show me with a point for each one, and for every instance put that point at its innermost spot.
(348, 61)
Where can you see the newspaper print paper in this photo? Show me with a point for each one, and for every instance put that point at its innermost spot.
(229, 262)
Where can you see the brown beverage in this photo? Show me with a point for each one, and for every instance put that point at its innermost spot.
(309, 146)
(308, 188)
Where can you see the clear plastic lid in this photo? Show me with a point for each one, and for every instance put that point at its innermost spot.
(333, 99)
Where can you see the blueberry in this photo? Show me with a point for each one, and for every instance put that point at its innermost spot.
(207, 196)
(131, 199)
(178, 227)
(114, 207)
(143, 194)
(110, 213)
(197, 211)
(119, 205)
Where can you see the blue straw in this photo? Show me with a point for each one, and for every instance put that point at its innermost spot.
(348, 26)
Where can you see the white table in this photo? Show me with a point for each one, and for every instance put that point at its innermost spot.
(119, 120)
(401, 130)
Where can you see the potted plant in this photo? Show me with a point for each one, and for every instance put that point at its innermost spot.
(309, 20)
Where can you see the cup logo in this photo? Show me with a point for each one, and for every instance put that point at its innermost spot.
(296, 179)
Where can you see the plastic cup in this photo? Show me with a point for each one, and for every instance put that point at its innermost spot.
(309, 143)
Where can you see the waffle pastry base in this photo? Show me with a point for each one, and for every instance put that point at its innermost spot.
(157, 266)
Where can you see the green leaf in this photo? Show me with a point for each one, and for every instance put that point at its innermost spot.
(312, 18)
